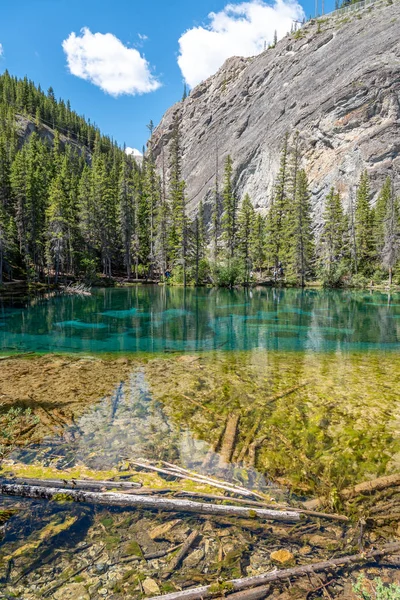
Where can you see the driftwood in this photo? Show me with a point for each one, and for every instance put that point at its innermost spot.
(311, 513)
(250, 437)
(236, 585)
(180, 473)
(178, 558)
(367, 487)
(237, 489)
(257, 593)
(84, 484)
(149, 502)
(228, 441)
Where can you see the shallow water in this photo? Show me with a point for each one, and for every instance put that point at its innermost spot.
(162, 319)
(313, 378)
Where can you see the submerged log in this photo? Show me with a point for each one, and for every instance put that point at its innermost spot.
(236, 585)
(154, 503)
(367, 487)
(178, 558)
(85, 484)
(228, 442)
(274, 506)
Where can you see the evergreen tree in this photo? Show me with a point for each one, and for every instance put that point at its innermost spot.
(57, 227)
(199, 242)
(391, 238)
(246, 225)
(300, 255)
(364, 227)
(380, 214)
(258, 244)
(333, 247)
(229, 216)
(126, 212)
(278, 213)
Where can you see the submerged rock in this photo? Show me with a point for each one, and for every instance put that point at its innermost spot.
(150, 586)
(282, 556)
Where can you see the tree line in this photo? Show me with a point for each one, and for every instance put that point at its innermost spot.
(74, 204)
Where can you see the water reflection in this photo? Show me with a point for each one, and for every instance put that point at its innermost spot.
(156, 318)
(132, 425)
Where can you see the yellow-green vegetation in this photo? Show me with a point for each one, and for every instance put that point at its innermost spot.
(323, 421)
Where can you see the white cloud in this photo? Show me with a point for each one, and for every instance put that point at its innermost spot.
(237, 30)
(1, 50)
(142, 37)
(102, 59)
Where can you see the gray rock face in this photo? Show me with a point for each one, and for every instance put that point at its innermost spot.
(337, 83)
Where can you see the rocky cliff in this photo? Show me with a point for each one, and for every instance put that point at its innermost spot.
(336, 82)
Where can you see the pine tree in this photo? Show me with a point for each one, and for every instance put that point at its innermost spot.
(364, 233)
(229, 216)
(258, 244)
(57, 227)
(278, 213)
(126, 213)
(246, 225)
(380, 214)
(300, 255)
(199, 241)
(333, 245)
(391, 239)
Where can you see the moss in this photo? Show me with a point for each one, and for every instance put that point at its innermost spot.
(112, 541)
(222, 588)
(133, 549)
(60, 497)
(107, 522)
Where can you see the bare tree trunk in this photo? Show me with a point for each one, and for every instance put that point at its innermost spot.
(167, 504)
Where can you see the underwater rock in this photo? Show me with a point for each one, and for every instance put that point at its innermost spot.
(150, 586)
(73, 591)
(282, 556)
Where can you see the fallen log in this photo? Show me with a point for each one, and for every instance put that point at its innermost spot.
(228, 441)
(257, 593)
(236, 585)
(178, 558)
(367, 487)
(74, 483)
(149, 502)
(311, 513)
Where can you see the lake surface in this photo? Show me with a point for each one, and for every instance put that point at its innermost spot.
(290, 393)
(162, 319)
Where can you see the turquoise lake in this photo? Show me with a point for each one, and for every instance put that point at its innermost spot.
(163, 319)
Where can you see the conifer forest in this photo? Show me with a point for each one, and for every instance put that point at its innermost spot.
(73, 203)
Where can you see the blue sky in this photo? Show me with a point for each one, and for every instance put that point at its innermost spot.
(108, 73)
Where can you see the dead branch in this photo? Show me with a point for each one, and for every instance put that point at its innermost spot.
(178, 558)
(206, 591)
(367, 487)
(311, 513)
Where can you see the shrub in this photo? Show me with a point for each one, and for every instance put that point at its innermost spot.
(375, 590)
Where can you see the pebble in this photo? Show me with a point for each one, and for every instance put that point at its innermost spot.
(150, 586)
(281, 556)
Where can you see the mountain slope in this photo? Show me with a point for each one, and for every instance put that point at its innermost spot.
(337, 82)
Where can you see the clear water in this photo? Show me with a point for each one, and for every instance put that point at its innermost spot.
(160, 319)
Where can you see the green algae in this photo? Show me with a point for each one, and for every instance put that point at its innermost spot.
(323, 421)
